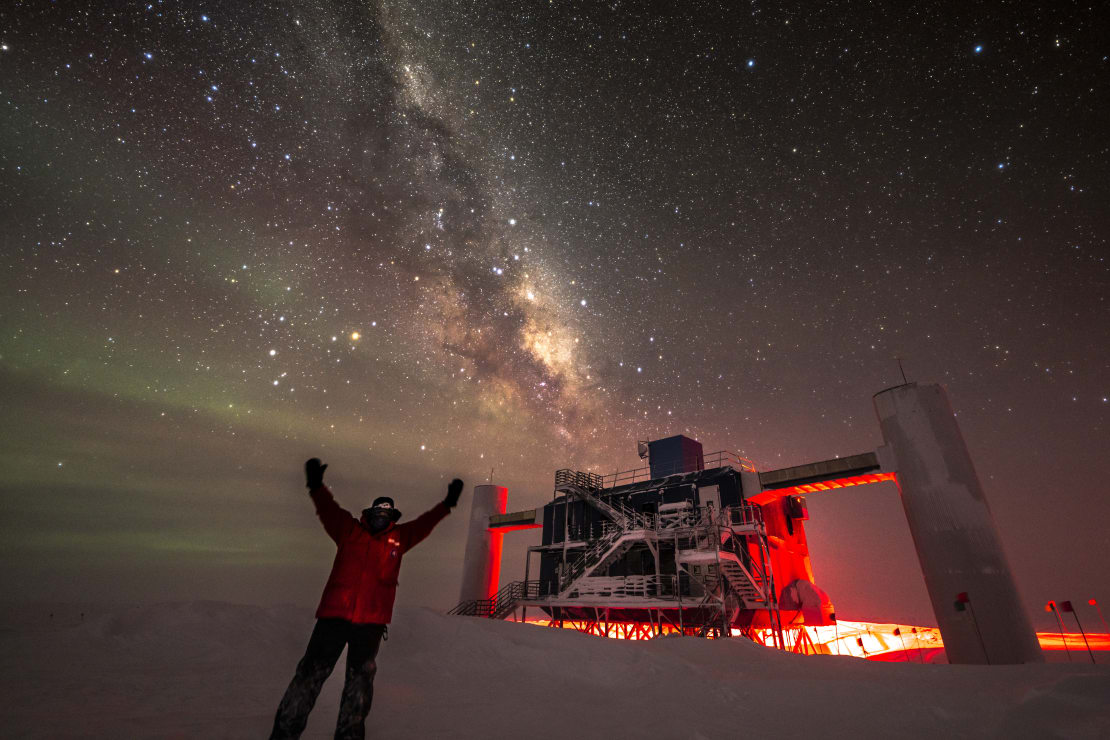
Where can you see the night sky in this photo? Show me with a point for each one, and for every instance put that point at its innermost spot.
(432, 239)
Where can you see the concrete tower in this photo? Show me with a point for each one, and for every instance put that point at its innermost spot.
(953, 530)
(482, 561)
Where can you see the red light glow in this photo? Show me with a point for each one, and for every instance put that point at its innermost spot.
(1056, 640)
(515, 527)
(871, 640)
(765, 497)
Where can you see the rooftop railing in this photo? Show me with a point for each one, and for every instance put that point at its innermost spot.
(587, 481)
(721, 459)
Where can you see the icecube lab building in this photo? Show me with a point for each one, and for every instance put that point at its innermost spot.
(705, 544)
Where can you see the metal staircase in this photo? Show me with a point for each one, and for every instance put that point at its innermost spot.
(585, 487)
(754, 584)
(741, 580)
(503, 602)
(613, 544)
(754, 589)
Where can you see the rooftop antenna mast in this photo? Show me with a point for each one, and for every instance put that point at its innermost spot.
(902, 370)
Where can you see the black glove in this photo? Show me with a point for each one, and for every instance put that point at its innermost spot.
(314, 473)
(454, 490)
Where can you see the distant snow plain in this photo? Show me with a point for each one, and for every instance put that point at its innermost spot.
(217, 670)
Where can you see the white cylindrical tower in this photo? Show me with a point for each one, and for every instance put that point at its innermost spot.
(482, 560)
(978, 609)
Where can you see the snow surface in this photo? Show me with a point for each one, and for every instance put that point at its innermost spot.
(217, 670)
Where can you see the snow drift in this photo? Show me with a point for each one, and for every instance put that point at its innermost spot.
(217, 670)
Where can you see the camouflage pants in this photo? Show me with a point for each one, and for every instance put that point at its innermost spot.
(329, 637)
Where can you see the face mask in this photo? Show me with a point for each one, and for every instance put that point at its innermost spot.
(378, 522)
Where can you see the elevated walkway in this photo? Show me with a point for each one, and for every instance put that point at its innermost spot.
(841, 472)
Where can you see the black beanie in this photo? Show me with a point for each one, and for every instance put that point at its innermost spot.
(385, 502)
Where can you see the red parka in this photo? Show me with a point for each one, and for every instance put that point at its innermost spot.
(363, 580)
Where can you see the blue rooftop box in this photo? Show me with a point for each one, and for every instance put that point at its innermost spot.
(677, 454)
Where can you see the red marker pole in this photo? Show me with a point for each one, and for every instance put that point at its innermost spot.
(1051, 607)
(905, 650)
(1066, 606)
(1098, 608)
(963, 601)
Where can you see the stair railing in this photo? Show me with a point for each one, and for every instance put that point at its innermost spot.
(590, 556)
(503, 602)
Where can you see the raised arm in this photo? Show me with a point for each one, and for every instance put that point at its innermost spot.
(337, 521)
(411, 533)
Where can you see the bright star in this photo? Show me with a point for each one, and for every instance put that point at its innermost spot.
(978, 49)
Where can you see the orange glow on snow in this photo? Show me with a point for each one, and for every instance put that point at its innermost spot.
(870, 640)
(1074, 641)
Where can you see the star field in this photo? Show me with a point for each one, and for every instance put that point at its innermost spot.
(423, 240)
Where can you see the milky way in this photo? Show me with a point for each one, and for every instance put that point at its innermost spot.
(428, 239)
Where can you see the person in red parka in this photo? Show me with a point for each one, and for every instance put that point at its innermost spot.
(357, 603)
